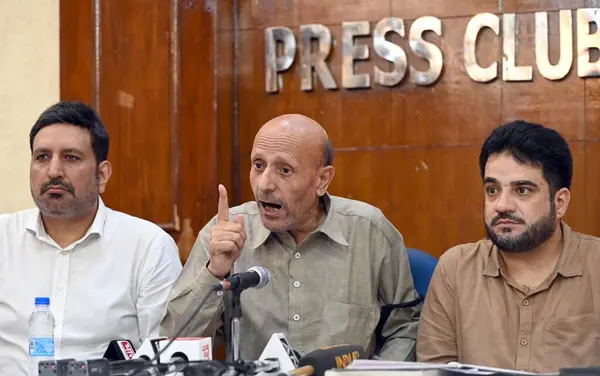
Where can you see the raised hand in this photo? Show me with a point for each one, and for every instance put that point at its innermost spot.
(227, 238)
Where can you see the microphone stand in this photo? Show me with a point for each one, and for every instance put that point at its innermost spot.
(236, 316)
(257, 277)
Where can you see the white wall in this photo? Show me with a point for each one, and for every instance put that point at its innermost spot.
(29, 82)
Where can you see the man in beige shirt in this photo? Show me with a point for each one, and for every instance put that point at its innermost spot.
(334, 262)
(528, 297)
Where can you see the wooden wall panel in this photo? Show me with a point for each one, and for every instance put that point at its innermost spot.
(224, 11)
(464, 111)
(148, 67)
(413, 9)
(333, 12)
(183, 95)
(136, 103)
(196, 117)
(592, 110)
(522, 6)
(413, 151)
(77, 50)
(264, 13)
(226, 157)
(421, 190)
(555, 104)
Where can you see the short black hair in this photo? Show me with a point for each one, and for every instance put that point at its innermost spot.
(328, 153)
(79, 114)
(534, 145)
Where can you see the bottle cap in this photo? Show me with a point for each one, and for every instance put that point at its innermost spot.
(42, 301)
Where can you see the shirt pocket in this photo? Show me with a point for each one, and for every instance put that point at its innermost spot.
(348, 323)
(572, 341)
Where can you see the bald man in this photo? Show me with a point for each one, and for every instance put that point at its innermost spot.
(338, 266)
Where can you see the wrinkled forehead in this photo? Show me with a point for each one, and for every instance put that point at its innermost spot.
(291, 148)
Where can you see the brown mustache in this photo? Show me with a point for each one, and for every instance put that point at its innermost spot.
(508, 216)
(57, 183)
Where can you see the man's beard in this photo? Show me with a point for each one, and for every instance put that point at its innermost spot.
(68, 203)
(532, 237)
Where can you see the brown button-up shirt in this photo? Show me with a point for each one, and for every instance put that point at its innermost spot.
(475, 314)
(326, 291)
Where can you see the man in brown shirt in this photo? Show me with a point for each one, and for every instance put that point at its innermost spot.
(334, 262)
(528, 297)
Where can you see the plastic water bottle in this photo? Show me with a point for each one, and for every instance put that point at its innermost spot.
(41, 334)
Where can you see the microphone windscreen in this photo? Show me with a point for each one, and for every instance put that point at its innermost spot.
(121, 349)
(338, 356)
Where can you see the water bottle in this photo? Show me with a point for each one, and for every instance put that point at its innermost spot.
(41, 334)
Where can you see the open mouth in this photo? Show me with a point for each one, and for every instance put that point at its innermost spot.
(270, 207)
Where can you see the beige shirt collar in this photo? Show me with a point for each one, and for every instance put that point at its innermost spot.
(330, 226)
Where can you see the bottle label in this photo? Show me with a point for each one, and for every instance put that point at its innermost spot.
(41, 347)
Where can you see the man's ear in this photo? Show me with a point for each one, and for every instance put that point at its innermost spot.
(104, 171)
(324, 178)
(561, 201)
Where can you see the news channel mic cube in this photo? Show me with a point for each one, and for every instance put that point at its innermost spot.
(187, 348)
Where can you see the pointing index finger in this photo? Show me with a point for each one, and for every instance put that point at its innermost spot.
(223, 208)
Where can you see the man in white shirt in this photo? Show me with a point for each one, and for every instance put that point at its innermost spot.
(108, 274)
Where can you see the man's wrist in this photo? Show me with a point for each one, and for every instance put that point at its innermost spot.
(213, 273)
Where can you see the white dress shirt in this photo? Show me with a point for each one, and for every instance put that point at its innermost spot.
(113, 283)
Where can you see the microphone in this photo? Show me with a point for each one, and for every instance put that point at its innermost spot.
(184, 349)
(121, 349)
(338, 356)
(279, 348)
(256, 277)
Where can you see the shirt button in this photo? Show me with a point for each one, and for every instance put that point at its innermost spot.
(525, 302)
(219, 293)
(297, 255)
(296, 317)
(60, 286)
(523, 342)
(296, 284)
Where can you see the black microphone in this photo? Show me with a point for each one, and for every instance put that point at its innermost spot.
(256, 276)
(338, 356)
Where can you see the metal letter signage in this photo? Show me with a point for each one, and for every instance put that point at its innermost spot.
(389, 51)
(426, 50)
(474, 70)
(352, 52)
(391, 37)
(274, 63)
(587, 41)
(316, 60)
(542, 53)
